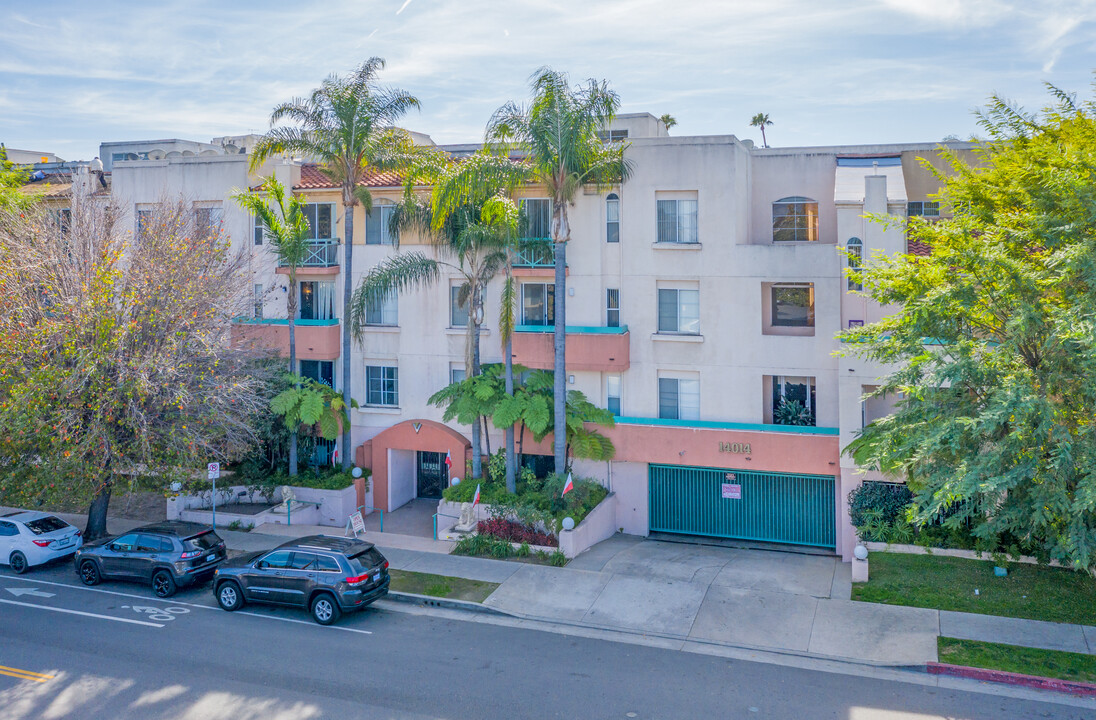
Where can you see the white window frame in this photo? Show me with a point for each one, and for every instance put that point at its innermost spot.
(385, 313)
(855, 248)
(455, 317)
(793, 286)
(546, 221)
(377, 231)
(685, 387)
(549, 304)
(257, 308)
(614, 391)
(683, 227)
(810, 212)
(686, 300)
(612, 218)
(380, 376)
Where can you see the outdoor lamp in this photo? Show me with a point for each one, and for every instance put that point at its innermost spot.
(568, 523)
(356, 472)
(860, 552)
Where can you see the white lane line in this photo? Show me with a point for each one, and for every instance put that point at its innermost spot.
(78, 612)
(173, 601)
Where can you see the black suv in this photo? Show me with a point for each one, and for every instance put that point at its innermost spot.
(170, 555)
(327, 575)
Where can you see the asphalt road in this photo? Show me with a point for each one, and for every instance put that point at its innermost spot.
(116, 651)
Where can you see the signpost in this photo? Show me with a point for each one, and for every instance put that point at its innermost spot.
(214, 472)
(355, 524)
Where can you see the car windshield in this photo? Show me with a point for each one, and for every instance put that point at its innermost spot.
(365, 561)
(46, 525)
(206, 541)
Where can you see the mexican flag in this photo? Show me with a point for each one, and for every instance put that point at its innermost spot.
(448, 459)
(569, 486)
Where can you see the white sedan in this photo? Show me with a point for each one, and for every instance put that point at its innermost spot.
(31, 538)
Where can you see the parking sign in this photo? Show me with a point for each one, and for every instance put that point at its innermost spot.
(214, 470)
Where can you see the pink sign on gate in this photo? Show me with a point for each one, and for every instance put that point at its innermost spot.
(732, 491)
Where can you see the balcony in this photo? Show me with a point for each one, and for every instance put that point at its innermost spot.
(601, 349)
(316, 339)
(322, 258)
(535, 261)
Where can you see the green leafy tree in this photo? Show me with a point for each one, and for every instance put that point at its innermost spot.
(994, 341)
(116, 357)
(760, 120)
(286, 229)
(668, 120)
(312, 404)
(11, 180)
(348, 124)
(558, 134)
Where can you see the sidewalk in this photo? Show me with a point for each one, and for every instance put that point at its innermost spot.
(761, 599)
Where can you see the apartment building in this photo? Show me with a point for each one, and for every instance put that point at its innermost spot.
(703, 296)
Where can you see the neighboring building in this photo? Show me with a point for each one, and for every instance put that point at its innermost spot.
(702, 295)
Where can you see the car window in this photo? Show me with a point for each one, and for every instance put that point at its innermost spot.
(205, 541)
(166, 546)
(46, 525)
(365, 561)
(304, 561)
(328, 564)
(148, 543)
(278, 560)
(126, 542)
(8, 529)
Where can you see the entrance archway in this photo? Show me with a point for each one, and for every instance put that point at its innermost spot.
(393, 457)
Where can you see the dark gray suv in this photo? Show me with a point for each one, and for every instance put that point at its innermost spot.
(169, 555)
(327, 575)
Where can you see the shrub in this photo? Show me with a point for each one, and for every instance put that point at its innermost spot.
(888, 500)
(558, 559)
(517, 532)
(483, 545)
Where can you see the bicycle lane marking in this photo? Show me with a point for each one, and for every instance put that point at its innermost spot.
(174, 602)
(80, 612)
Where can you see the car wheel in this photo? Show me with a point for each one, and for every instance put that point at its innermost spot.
(325, 610)
(163, 584)
(89, 573)
(229, 596)
(18, 562)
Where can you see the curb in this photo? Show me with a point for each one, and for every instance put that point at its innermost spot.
(428, 601)
(1070, 687)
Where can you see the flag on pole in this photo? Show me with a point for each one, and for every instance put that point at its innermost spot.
(569, 486)
(475, 500)
(448, 460)
(335, 458)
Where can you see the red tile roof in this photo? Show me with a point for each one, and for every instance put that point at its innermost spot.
(916, 247)
(312, 178)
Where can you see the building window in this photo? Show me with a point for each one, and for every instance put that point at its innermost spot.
(258, 299)
(144, 223)
(679, 311)
(207, 220)
(321, 220)
(382, 385)
(322, 371)
(612, 136)
(258, 230)
(678, 399)
(795, 219)
(612, 307)
(923, 209)
(612, 394)
(383, 312)
(378, 224)
(458, 311)
(612, 218)
(793, 305)
(316, 300)
(855, 248)
(677, 221)
(538, 304)
(456, 373)
(793, 400)
(538, 218)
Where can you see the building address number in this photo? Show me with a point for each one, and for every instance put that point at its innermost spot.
(734, 447)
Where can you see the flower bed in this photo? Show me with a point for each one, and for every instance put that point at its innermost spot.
(516, 532)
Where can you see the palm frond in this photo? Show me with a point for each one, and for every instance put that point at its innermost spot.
(396, 274)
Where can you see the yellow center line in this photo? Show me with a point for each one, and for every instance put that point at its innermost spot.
(25, 674)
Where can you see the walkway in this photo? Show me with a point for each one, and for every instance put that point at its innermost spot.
(764, 599)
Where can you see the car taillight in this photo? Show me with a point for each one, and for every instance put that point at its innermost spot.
(78, 533)
(385, 565)
(191, 554)
(42, 543)
(358, 579)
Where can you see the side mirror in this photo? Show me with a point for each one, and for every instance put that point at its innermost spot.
(114, 547)
(263, 565)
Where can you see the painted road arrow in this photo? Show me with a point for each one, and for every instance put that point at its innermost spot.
(33, 592)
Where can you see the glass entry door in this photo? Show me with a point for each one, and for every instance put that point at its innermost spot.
(433, 475)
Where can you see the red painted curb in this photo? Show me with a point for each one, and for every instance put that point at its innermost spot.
(1070, 687)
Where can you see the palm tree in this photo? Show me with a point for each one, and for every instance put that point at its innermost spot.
(760, 120)
(348, 125)
(287, 232)
(557, 133)
(472, 235)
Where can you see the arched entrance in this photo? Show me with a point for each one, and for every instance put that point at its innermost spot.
(407, 461)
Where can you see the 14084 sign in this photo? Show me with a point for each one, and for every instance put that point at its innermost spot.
(734, 447)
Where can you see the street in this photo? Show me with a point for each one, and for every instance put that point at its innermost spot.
(116, 651)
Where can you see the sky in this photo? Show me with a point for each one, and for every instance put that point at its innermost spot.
(827, 72)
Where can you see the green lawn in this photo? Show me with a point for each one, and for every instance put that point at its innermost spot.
(945, 583)
(1011, 658)
(441, 586)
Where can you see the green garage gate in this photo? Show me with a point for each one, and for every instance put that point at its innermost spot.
(743, 504)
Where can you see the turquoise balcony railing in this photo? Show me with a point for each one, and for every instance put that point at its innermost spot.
(322, 253)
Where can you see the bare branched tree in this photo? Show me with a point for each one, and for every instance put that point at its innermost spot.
(115, 352)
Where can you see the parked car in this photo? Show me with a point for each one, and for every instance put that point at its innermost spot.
(33, 538)
(326, 575)
(169, 555)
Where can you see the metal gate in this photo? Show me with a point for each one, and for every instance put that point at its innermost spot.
(743, 504)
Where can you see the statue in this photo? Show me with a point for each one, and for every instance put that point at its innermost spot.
(467, 521)
(289, 500)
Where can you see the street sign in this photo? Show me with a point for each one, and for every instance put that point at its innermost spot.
(732, 491)
(214, 470)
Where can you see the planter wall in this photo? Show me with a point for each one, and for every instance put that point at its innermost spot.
(331, 508)
(948, 552)
(598, 525)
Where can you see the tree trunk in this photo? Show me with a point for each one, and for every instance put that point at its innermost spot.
(559, 389)
(97, 513)
(511, 469)
(477, 458)
(764, 142)
(291, 307)
(348, 289)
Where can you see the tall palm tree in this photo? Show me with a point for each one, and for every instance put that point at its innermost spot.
(287, 232)
(472, 236)
(557, 134)
(760, 120)
(348, 125)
